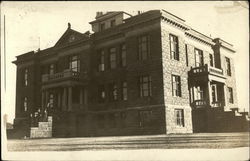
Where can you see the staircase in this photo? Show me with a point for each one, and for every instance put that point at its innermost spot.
(43, 130)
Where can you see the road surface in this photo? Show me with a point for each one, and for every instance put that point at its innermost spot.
(180, 141)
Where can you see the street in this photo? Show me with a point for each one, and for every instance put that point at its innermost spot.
(173, 141)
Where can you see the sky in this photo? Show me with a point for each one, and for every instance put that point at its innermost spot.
(33, 25)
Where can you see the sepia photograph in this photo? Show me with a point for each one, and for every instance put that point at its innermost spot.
(125, 80)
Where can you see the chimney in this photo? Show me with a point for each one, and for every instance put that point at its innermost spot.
(98, 14)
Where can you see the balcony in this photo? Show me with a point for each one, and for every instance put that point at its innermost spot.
(65, 75)
(203, 104)
(199, 104)
(209, 72)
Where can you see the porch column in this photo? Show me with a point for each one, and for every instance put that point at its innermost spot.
(209, 93)
(225, 94)
(81, 97)
(42, 102)
(59, 99)
(46, 98)
(85, 98)
(64, 99)
(70, 98)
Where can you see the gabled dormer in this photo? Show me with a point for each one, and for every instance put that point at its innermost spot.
(71, 36)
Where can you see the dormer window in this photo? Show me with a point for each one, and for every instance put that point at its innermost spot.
(112, 23)
(102, 26)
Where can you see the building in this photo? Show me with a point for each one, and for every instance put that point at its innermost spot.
(149, 73)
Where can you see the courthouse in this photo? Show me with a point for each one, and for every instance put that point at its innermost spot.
(148, 73)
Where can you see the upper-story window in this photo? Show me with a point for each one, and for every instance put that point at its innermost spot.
(26, 77)
(112, 23)
(143, 47)
(101, 61)
(145, 86)
(123, 55)
(174, 50)
(51, 69)
(176, 85)
(199, 93)
(211, 60)
(228, 66)
(74, 63)
(112, 58)
(25, 104)
(102, 26)
(101, 93)
(230, 95)
(113, 92)
(124, 91)
(198, 57)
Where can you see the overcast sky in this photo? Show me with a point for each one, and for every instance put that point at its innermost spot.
(26, 22)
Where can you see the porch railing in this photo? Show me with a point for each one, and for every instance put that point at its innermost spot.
(206, 69)
(57, 76)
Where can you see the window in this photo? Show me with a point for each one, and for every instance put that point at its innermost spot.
(113, 92)
(51, 100)
(51, 69)
(179, 115)
(198, 57)
(124, 91)
(123, 55)
(74, 63)
(186, 51)
(112, 58)
(200, 93)
(112, 23)
(101, 63)
(174, 52)
(26, 77)
(176, 86)
(25, 104)
(211, 60)
(228, 66)
(101, 93)
(146, 118)
(230, 95)
(102, 26)
(145, 86)
(143, 47)
(214, 93)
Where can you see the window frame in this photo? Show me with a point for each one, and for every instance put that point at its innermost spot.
(26, 74)
(211, 60)
(72, 60)
(101, 61)
(143, 54)
(123, 55)
(25, 104)
(200, 56)
(113, 90)
(124, 90)
(228, 66)
(145, 86)
(230, 95)
(174, 41)
(179, 117)
(113, 62)
(176, 92)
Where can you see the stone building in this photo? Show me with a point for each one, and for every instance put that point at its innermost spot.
(149, 73)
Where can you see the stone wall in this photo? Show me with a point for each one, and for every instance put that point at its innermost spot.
(179, 68)
(44, 129)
